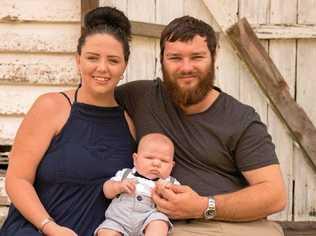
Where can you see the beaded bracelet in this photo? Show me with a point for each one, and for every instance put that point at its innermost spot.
(44, 223)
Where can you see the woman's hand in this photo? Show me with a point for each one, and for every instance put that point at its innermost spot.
(53, 229)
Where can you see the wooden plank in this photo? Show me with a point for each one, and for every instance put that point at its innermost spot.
(119, 4)
(142, 53)
(305, 177)
(199, 10)
(39, 38)
(86, 6)
(43, 69)
(291, 31)
(274, 86)
(46, 11)
(283, 54)
(250, 92)
(3, 214)
(223, 14)
(256, 11)
(8, 127)
(306, 12)
(4, 201)
(165, 12)
(279, 14)
(146, 29)
(305, 187)
(4, 158)
(263, 31)
(17, 99)
(299, 228)
(142, 48)
(221, 11)
(141, 10)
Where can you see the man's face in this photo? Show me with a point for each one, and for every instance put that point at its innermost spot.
(188, 70)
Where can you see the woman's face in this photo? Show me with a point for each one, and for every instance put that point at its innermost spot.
(101, 64)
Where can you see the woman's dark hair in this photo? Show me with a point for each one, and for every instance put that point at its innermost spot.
(107, 20)
(184, 29)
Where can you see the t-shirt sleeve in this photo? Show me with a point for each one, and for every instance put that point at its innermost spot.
(118, 175)
(254, 148)
(128, 95)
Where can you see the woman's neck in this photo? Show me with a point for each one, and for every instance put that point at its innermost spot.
(102, 100)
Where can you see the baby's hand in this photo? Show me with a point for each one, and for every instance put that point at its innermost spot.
(128, 186)
(163, 183)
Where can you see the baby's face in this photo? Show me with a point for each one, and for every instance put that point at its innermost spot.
(154, 161)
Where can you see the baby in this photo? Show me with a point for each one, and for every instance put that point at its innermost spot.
(132, 211)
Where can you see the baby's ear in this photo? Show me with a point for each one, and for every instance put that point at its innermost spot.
(134, 157)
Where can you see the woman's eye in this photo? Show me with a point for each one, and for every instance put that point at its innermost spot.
(92, 58)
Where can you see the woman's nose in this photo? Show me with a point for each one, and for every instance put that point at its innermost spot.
(102, 66)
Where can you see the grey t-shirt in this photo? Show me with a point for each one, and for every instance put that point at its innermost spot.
(211, 147)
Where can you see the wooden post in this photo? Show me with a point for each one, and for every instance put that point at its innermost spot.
(274, 86)
(86, 6)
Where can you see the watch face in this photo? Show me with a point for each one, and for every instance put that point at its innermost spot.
(209, 214)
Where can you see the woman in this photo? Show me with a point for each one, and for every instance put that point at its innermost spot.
(70, 143)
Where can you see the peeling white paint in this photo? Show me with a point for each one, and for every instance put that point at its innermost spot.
(57, 38)
(38, 69)
(39, 10)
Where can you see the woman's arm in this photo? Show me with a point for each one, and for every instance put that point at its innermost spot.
(44, 120)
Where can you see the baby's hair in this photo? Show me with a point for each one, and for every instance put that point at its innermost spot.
(156, 137)
(107, 20)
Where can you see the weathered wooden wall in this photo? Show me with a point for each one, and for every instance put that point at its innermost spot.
(39, 40)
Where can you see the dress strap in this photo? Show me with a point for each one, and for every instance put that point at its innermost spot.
(66, 96)
(76, 92)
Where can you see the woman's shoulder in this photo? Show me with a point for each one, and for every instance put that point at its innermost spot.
(53, 101)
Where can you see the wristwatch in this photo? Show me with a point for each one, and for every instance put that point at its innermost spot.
(210, 211)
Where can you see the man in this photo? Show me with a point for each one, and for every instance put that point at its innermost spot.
(223, 152)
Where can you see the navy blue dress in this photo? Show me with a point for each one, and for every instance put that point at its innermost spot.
(94, 143)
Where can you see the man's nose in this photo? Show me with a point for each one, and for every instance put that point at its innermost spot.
(186, 66)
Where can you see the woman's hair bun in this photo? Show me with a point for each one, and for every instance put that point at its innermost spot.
(107, 16)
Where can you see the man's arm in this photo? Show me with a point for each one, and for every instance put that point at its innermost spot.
(265, 195)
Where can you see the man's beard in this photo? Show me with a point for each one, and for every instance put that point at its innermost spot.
(186, 97)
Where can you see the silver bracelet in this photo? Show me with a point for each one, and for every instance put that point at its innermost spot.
(44, 223)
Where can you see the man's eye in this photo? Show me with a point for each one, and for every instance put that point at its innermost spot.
(197, 57)
(113, 61)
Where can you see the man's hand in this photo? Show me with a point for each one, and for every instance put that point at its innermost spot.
(179, 201)
(128, 186)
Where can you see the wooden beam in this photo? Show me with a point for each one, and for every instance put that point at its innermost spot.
(86, 6)
(299, 228)
(292, 31)
(146, 29)
(221, 12)
(274, 86)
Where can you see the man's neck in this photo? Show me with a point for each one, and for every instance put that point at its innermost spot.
(202, 105)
